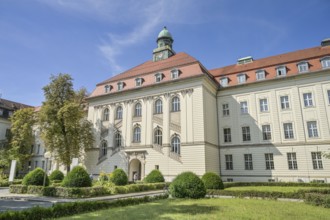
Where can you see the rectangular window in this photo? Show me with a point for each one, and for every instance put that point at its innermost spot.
(329, 97)
(266, 132)
(317, 160)
(224, 82)
(312, 129)
(32, 148)
(303, 67)
(35, 164)
(285, 102)
(38, 149)
(120, 86)
(244, 107)
(308, 99)
(260, 75)
(263, 105)
(138, 82)
(175, 73)
(43, 164)
(292, 161)
(269, 158)
(156, 167)
(246, 133)
(230, 180)
(241, 78)
(281, 71)
(227, 135)
(158, 77)
(248, 161)
(288, 131)
(107, 88)
(325, 62)
(229, 161)
(225, 109)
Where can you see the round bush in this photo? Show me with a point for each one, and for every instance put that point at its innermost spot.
(212, 181)
(187, 185)
(35, 177)
(119, 177)
(77, 177)
(154, 176)
(56, 175)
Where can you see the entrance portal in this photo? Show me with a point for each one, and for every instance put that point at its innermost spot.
(134, 168)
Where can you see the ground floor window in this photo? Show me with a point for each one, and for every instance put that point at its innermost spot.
(317, 160)
(292, 161)
(248, 161)
(269, 161)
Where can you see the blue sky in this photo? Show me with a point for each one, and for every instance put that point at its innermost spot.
(95, 39)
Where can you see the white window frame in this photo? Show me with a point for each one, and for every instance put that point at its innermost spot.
(176, 145)
(241, 78)
(158, 106)
(117, 139)
(285, 103)
(225, 109)
(138, 110)
(119, 113)
(106, 113)
(308, 99)
(158, 77)
(269, 159)
(263, 105)
(175, 104)
(107, 88)
(227, 135)
(266, 132)
(281, 71)
(138, 82)
(303, 67)
(246, 134)
(158, 137)
(229, 162)
(260, 74)
(328, 96)
(317, 160)
(312, 129)
(137, 134)
(244, 107)
(175, 73)
(248, 162)
(224, 81)
(288, 130)
(104, 149)
(292, 161)
(120, 86)
(325, 62)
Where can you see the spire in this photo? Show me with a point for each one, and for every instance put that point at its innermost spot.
(164, 43)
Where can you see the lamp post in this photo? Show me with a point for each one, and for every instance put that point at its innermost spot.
(47, 155)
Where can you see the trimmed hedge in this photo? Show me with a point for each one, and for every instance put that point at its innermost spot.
(56, 175)
(318, 199)
(69, 209)
(212, 181)
(154, 176)
(119, 177)
(18, 189)
(77, 177)
(36, 178)
(235, 184)
(187, 185)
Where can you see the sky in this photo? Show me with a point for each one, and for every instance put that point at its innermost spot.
(93, 40)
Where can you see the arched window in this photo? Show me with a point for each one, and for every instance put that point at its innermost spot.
(119, 113)
(118, 140)
(138, 110)
(104, 149)
(175, 145)
(158, 137)
(158, 107)
(175, 104)
(106, 114)
(137, 135)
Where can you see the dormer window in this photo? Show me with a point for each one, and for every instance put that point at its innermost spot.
(224, 81)
(158, 77)
(175, 73)
(138, 82)
(120, 86)
(107, 88)
(303, 66)
(325, 61)
(260, 74)
(281, 70)
(241, 78)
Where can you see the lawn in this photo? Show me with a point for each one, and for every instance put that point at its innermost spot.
(211, 209)
(272, 188)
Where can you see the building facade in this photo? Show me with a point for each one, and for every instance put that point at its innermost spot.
(257, 120)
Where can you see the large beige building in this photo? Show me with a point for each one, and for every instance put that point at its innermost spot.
(256, 120)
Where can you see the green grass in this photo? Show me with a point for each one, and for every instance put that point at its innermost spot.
(272, 188)
(211, 209)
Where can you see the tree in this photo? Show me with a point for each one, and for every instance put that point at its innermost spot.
(20, 137)
(64, 127)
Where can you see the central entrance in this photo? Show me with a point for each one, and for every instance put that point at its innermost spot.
(135, 170)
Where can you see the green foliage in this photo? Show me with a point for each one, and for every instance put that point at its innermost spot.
(35, 177)
(56, 175)
(136, 188)
(235, 184)
(212, 181)
(103, 177)
(119, 177)
(154, 176)
(64, 127)
(187, 185)
(318, 199)
(77, 177)
(18, 189)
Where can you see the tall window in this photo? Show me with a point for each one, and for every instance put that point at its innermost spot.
(281, 71)
(248, 161)
(269, 158)
(175, 73)
(241, 78)
(106, 114)
(244, 107)
(308, 99)
(246, 133)
(329, 96)
(138, 82)
(312, 129)
(224, 81)
(137, 135)
(303, 67)
(107, 88)
(225, 109)
(266, 132)
(227, 135)
(175, 145)
(175, 104)
(158, 137)
(317, 160)
(117, 139)
(120, 86)
(288, 131)
(158, 77)
(35, 164)
(158, 107)
(119, 113)
(260, 74)
(285, 102)
(292, 161)
(229, 161)
(325, 62)
(263, 105)
(138, 110)
(104, 148)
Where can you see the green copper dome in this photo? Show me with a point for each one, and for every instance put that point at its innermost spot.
(165, 34)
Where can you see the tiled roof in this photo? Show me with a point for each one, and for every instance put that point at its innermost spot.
(10, 105)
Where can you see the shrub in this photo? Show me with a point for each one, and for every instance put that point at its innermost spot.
(212, 181)
(187, 185)
(56, 175)
(35, 177)
(318, 199)
(77, 177)
(19, 189)
(119, 177)
(154, 176)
